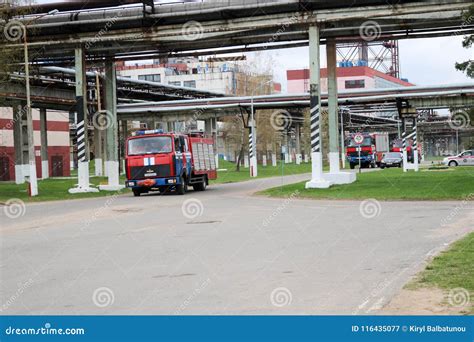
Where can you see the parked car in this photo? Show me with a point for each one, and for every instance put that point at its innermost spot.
(391, 159)
(462, 159)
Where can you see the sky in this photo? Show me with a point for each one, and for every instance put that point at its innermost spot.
(428, 61)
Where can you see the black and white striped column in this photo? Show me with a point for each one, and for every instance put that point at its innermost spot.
(250, 143)
(317, 180)
(415, 145)
(83, 184)
(314, 114)
(81, 132)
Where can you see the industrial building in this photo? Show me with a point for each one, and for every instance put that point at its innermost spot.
(57, 145)
(348, 78)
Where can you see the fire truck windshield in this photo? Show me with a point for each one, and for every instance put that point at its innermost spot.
(367, 142)
(149, 145)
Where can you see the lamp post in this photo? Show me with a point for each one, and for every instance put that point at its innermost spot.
(253, 134)
(29, 116)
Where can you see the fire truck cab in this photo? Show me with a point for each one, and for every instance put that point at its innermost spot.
(158, 161)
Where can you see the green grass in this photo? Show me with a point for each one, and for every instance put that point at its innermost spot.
(232, 176)
(392, 184)
(451, 269)
(51, 189)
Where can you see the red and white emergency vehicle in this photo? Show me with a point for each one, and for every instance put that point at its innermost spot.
(158, 161)
(465, 158)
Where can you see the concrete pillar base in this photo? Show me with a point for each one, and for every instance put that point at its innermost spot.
(340, 177)
(19, 175)
(98, 167)
(44, 169)
(79, 190)
(306, 158)
(83, 180)
(334, 162)
(298, 159)
(274, 159)
(113, 174)
(33, 180)
(317, 180)
(253, 167)
(318, 184)
(264, 160)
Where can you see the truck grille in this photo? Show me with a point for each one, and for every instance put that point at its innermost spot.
(154, 171)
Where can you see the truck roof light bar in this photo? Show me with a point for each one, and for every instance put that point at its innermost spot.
(149, 131)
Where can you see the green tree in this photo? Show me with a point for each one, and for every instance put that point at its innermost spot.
(467, 66)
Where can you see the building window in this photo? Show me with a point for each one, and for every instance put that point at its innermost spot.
(175, 83)
(352, 84)
(190, 84)
(151, 78)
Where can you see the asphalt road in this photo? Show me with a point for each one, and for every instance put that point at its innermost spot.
(222, 251)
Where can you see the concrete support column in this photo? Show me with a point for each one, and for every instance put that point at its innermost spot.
(44, 144)
(274, 159)
(335, 175)
(317, 180)
(111, 133)
(124, 127)
(415, 146)
(20, 162)
(404, 146)
(298, 143)
(98, 148)
(82, 125)
(210, 128)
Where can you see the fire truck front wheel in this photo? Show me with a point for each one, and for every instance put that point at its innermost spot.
(182, 187)
(136, 192)
(352, 166)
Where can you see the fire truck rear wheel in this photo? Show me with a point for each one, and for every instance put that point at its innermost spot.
(200, 186)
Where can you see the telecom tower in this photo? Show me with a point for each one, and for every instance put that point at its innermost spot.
(379, 55)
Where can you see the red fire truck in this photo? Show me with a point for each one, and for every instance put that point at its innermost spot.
(397, 146)
(158, 161)
(371, 149)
